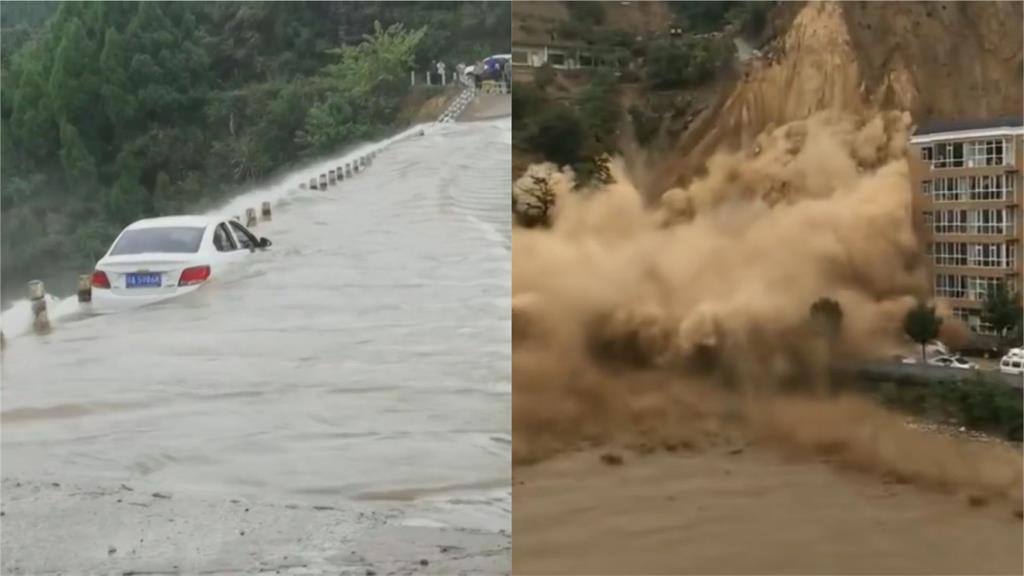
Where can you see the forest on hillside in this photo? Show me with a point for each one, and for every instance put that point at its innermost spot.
(112, 111)
(691, 48)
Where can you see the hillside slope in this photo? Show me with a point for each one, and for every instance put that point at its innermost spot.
(857, 55)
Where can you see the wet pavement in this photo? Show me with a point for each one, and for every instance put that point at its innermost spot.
(357, 375)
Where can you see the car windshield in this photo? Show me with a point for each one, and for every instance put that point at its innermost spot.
(178, 240)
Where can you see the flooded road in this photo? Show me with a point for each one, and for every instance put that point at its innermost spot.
(364, 360)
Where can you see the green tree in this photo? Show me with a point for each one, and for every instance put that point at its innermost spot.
(79, 165)
(588, 13)
(163, 199)
(120, 105)
(1002, 310)
(600, 112)
(678, 63)
(559, 135)
(363, 87)
(32, 120)
(922, 325)
(73, 77)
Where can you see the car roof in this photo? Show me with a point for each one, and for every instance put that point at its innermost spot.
(173, 221)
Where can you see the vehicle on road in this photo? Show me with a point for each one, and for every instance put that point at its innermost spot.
(953, 362)
(159, 258)
(1012, 363)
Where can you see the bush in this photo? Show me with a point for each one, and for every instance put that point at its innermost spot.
(591, 13)
(981, 404)
(678, 63)
(544, 77)
(558, 134)
(645, 124)
(600, 112)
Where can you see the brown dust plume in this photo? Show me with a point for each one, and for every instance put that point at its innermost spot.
(687, 323)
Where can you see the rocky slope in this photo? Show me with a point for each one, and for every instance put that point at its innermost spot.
(937, 60)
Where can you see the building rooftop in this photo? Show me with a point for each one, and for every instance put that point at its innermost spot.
(942, 126)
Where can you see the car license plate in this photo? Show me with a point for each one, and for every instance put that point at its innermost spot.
(143, 280)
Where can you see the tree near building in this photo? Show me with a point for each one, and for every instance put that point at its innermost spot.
(827, 316)
(921, 324)
(1002, 311)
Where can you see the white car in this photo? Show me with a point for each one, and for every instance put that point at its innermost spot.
(1012, 363)
(953, 362)
(159, 258)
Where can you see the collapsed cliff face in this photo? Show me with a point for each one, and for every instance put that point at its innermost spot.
(934, 60)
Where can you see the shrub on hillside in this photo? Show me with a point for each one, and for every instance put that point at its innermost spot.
(558, 134)
(673, 63)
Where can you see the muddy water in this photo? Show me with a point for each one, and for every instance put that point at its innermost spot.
(366, 356)
(746, 512)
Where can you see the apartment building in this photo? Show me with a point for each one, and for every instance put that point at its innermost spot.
(967, 184)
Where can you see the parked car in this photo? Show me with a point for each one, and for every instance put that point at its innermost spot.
(953, 362)
(1012, 363)
(159, 258)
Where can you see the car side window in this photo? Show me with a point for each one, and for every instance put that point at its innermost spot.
(222, 239)
(245, 238)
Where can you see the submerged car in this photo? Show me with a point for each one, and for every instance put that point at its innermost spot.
(159, 258)
(1012, 363)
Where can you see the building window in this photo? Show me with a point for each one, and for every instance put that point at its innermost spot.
(962, 314)
(996, 187)
(979, 288)
(520, 57)
(949, 253)
(972, 154)
(949, 189)
(950, 286)
(988, 221)
(586, 60)
(556, 58)
(988, 255)
(950, 222)
(986, 153)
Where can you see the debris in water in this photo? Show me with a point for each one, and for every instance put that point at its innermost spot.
(424, 562)
(111, 550)
(161, 495)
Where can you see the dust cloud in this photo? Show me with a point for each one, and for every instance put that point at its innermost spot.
(686, 324)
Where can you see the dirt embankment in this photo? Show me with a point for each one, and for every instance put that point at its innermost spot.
(426, 104)
(486, 107)
(935, 60)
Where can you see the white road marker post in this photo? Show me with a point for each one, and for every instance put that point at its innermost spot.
(84, 288)
(37, 294)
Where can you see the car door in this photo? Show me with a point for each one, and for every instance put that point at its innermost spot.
(228, 253)
(247, 241)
